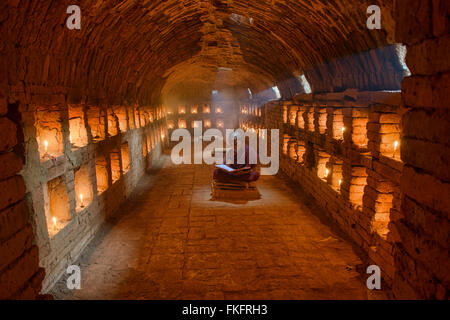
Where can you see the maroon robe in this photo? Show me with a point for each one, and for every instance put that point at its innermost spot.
(223, 176)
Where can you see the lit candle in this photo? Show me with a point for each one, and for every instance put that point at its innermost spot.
(340, 182)
(395, 145)
(327, 172)
(45, 146)
(162, 136)
(81, 200)
(54, 221)
(343, 129)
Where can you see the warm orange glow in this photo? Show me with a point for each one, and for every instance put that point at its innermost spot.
(45, 146)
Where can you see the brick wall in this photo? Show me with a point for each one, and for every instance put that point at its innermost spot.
(20, 274)
(378, 166)
(95, 150)
(339, 147)
(421, 247)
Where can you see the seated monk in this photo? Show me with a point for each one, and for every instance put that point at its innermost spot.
(243, 173)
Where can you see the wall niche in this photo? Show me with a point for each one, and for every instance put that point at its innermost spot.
(101, 172)
(114, 156)
(77, 129)
(83, 187)
(125, 153)
(49, 132)
(57, 206)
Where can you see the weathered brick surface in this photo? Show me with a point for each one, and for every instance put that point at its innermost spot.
(12, 190)
(421, 245)
(13, 219)
(8, 130)
(11, 163)
(115, 94)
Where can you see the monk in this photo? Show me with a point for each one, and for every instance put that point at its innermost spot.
(244, 172)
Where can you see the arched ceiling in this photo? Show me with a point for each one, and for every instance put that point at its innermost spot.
(148, 49)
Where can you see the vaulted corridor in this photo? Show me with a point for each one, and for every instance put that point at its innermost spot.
(171, 241)
(345, 105)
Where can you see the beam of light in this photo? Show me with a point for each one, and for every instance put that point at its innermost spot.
(277, 92)
(305, 84)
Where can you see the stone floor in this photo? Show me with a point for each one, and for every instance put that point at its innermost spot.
(172, 242)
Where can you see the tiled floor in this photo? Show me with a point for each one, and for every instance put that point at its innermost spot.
(172, 242)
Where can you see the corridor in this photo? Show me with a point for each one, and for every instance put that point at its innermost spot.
(347, 100)
(170, 241)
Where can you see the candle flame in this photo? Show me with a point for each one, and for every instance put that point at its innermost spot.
(54, 221)
(395, 145)
(45, 145)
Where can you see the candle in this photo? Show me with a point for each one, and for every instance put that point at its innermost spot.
(340, 182)
(54, 221)
(81, 200)
(395, 145)
(327, 172)
(45, 145)
(343, 129)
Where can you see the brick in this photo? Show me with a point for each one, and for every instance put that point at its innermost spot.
(413, 20)
(12, 190)
(13, 248)
(427, 91)
(434, 223)
(427, 124)
(13, 278)
(387, 171)
(429, 57)
(11, 164)
(8, 134)
(13, 219)
(441, 22)
(426, 189)
(3, 104)
(432, 157)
